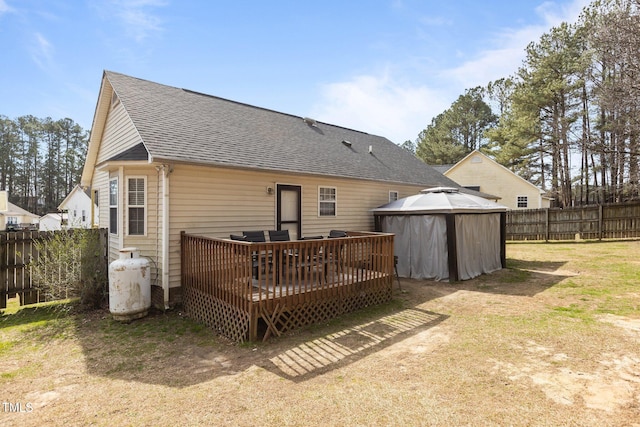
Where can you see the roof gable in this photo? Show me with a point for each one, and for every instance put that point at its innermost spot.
(15, 210)
(468, 161)
(178, 125)
(77, 192)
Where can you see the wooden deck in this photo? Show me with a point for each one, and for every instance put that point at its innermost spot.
(246, 290)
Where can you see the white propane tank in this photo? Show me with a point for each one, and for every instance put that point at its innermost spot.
(129, 286)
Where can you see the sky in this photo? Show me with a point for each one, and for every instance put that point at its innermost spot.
(385, 67)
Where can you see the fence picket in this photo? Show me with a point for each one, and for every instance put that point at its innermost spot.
(17, 250)
(611, 221)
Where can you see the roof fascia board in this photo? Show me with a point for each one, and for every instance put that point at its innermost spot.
(124, 163)
(97, 128)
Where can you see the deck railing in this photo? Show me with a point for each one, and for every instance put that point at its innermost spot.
(234, 286)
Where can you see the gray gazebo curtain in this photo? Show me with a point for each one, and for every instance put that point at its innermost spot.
(421, 244)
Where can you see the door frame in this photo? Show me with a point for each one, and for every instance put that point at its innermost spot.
(288, 187)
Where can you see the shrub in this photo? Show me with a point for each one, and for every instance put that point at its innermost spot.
(70, 264)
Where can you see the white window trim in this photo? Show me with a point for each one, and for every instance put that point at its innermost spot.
(95, 209)
(114, 206)
(518, 201)
(396, 193)
(145, 206)
(335, 202)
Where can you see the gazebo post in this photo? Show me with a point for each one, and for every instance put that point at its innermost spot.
(503, 239)
(452, 247)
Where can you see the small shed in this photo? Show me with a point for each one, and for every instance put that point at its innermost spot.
(444, 234)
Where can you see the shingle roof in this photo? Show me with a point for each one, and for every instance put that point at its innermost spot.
(15, 210)
(442, 168)
(184, 126)
(137, 152)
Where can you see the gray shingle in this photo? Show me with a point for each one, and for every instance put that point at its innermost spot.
(184, 126)
(137, 152)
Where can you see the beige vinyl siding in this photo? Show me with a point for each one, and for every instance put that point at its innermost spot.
(149, 244)
(101, 183)
(217, 202)
(495, 179)
(119, 134)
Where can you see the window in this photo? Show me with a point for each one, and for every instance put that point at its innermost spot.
(523, 202)
(113, 206)
(393, 196)
(12, 220)
(96, 202)
(326, 201)
(136, 205)
(84, 215)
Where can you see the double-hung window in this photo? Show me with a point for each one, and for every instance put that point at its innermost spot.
(136, 204)
(522, 202)
(327, 201)
(113, 206)
(393, 196)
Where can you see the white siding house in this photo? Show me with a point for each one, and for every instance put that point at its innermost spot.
(53, 221)
(77, 206)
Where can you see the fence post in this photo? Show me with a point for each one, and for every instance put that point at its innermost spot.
(4, 287)
(600, 221)
(546, 225)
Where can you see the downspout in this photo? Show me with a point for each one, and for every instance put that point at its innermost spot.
(166, 171)
(121, 206)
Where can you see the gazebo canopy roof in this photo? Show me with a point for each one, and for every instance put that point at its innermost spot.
(437, 201)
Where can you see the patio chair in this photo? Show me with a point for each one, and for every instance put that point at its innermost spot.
(309, 257)
(259, 259)
(332, 253)
(254, 236)
(282, 257)
(337, 233)
(279, 235)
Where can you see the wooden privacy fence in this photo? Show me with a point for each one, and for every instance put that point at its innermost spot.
(613, 221)
(17, 250)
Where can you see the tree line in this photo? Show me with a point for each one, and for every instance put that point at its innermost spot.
(41, 160)
(568, 120)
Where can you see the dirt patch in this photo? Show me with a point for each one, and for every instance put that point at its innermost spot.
(528, 345)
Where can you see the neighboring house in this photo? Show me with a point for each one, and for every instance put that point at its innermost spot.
(16, 218)
(78, 207)
(480, 173)
(162, 160)
(53, 221)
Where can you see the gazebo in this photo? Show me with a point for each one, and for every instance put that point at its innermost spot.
(444, 234)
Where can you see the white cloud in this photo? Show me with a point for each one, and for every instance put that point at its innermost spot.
(139, 22)
(508, 52)
(380, 105)
(4, 7)
(42, 52)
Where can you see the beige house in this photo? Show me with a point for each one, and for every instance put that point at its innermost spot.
(16, 218)
(162, 160)
(480, 173)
